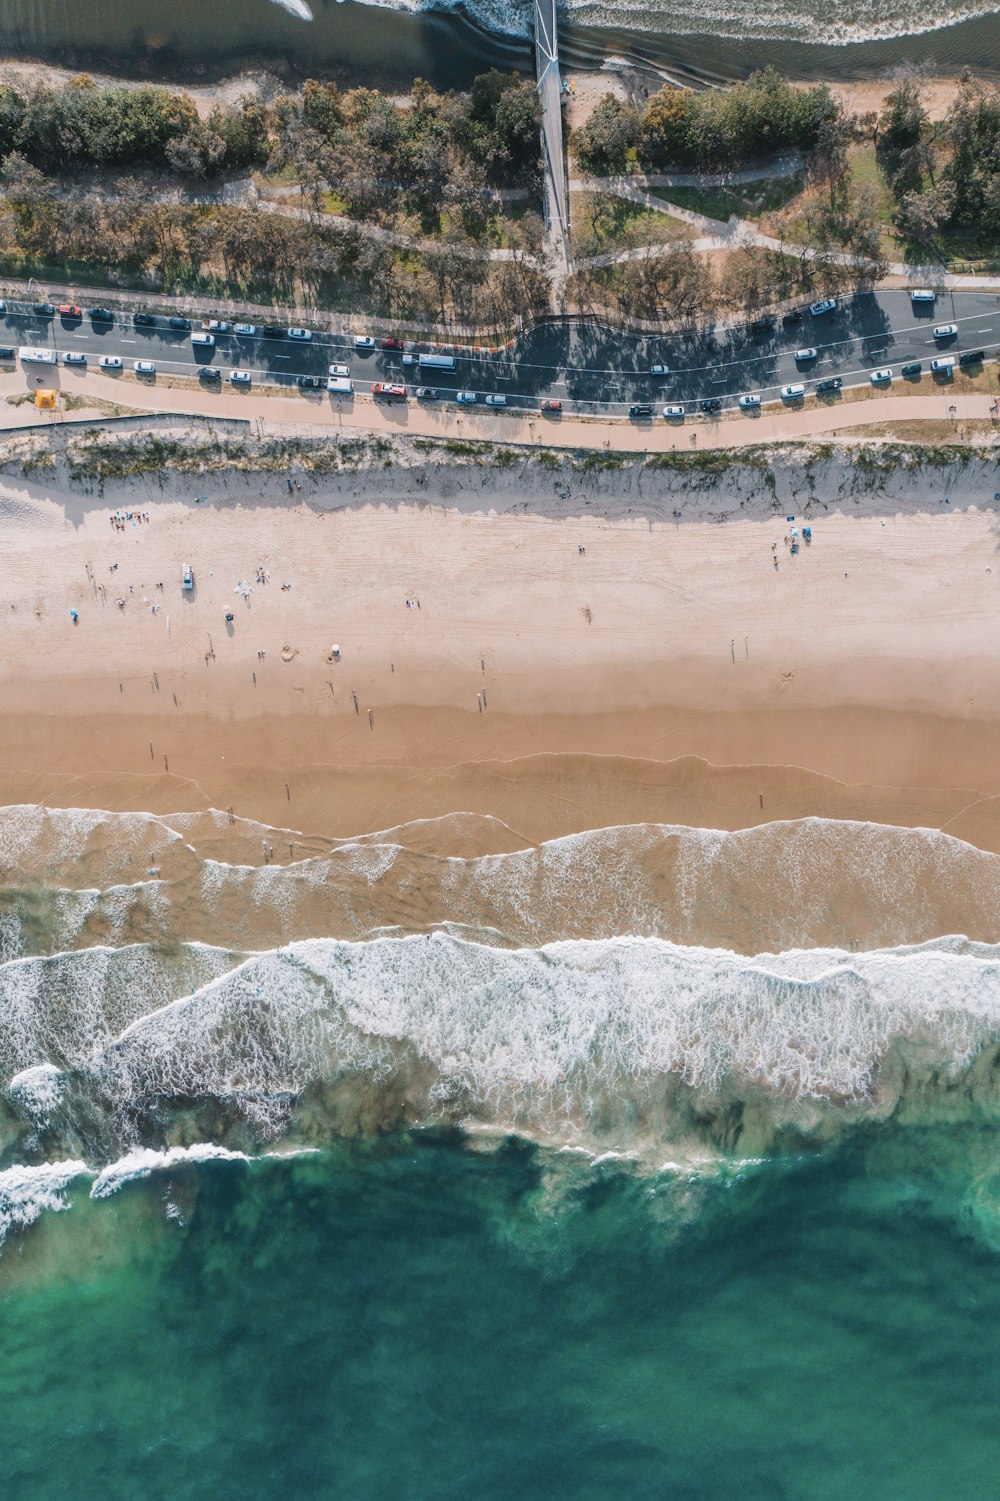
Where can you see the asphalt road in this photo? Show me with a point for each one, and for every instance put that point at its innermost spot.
(591, 368)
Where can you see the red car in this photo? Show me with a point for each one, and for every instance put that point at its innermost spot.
(390, 343)
(69, 310)
(387, 391)
(550, 404)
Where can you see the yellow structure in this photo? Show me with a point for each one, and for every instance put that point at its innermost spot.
(45, 401)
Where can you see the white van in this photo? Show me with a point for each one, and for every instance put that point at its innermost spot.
(207, 341)
(943, 366)
(923, 294)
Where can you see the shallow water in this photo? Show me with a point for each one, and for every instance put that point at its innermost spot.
(421, 1319)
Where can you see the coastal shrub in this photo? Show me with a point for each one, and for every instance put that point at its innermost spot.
(722, 127)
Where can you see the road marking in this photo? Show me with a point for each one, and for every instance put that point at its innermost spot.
(282, 356)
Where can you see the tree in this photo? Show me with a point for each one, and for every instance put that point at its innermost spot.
(664, 125)
(920, 217)
(603, 142)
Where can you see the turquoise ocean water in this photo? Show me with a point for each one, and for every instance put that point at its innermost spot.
(370, 1176)
(420, 1320)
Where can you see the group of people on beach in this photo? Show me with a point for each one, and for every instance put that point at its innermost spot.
(120, 519)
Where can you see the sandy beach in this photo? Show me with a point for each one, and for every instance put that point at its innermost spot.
(556, 669)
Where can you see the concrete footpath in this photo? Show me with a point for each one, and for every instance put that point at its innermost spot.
(295, 415)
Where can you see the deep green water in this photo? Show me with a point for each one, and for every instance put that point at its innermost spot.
(424, 1321)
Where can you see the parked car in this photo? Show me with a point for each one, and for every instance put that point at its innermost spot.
(364, 341)
(793, 392)
(943, 366)
(203, 341)
(923, 294)
(43, 309)
(427, 393)
(642, 409)
(6, 352)
(794, 315)
(312, 382)
(144, 367)
(100, 315)
(763, 324)
(341, 370)
(972, 357)
(550, 404)
(110, 362)
(390, 343)
(209, 373)
(911, 370)
(673, 411)
(143, 320)
(240, 377)
(711, 404)
(245, 330)
(3, 308)
(272, 331)
(749, 403)
(467, 398)
(69, 310)
(945, 330)
(496, 399)
(388, 391)
(659, 370)
(74, 357)
(804, 355)
(299, 333)
(825, 305)
(187, 577)
(881, 377)
(831, 383)
(180, 323)
(216, 326)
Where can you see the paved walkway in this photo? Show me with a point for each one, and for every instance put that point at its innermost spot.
(294, 415)
(550, 93)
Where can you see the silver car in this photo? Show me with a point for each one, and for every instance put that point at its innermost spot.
(467, 398)
(240, 377)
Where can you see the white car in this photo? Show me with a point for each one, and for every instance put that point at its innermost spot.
(364, 341)
(216, 327)
(880, 377)
(240, 377)
(144, 367)
(496, 399)
(660, 370)
(298, 333)
(749, 403)
(467, 398)
(341, 370)
(825, 305)
(923, 294)
(792, 393)
(74, 357)
(946, 331)
(673, 411)
(110, 362)
(805, 354)
(245, 330)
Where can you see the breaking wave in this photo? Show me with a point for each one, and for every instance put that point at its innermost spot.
(624, 1044)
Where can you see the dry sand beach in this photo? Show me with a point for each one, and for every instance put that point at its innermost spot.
(647, 653)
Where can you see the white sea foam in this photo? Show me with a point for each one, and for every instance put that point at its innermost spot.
(850, 22)
(27, 1192)
(573, 1038)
